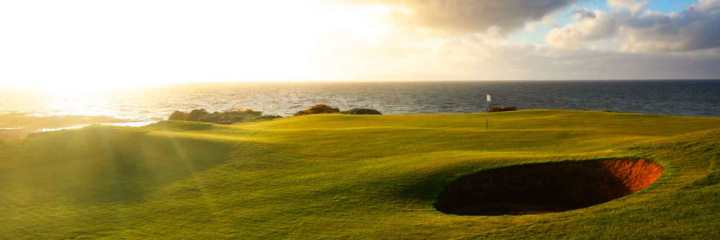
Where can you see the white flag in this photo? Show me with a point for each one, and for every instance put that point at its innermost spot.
(488, 98)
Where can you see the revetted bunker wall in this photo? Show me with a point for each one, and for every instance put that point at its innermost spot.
(546, 187)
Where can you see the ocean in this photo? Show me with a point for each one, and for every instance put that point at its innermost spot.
(678, 97)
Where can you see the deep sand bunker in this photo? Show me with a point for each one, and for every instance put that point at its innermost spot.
(546, 187)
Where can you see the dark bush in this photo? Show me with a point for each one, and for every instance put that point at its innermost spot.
(318, 109)
(226, 117)
(502, 109)
(198, 114)
(179, 116)
(362, 111)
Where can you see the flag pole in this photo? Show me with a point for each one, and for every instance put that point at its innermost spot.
(488, 99)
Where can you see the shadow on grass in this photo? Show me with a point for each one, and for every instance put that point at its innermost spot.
(427, 187)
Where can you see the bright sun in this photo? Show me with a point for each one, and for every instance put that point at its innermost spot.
(83, 46)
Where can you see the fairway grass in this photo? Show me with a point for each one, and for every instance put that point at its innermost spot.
(349, 177)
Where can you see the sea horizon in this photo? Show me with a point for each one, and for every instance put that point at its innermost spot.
(694, 97)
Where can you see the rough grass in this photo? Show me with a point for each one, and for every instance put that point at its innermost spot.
(348, 177)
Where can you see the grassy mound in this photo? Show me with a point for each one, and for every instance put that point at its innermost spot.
(356, 177)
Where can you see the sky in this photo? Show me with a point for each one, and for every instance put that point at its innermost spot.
(86, 45)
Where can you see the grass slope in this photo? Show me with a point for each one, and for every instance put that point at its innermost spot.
(17, 125)
(348, 177)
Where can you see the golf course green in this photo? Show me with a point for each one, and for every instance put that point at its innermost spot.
(333, 176)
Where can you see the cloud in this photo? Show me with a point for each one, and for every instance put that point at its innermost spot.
(478, 58)
(581, 14)
(695, 28)
(409, 54)
(376, 40)
(470, 15)
(590, 26)
(553, 63)
(632, 5)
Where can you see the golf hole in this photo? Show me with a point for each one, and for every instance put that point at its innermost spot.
(546, 187)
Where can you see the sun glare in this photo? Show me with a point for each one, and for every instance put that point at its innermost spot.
(369, 23)
(167, 42)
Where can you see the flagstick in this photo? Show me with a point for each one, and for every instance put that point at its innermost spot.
(488, 98)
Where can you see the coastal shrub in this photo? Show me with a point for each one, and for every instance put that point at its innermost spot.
(226, 117)
(502, 109)
(179, 116)
(198, 114)
(318, 109)
(362, 111)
